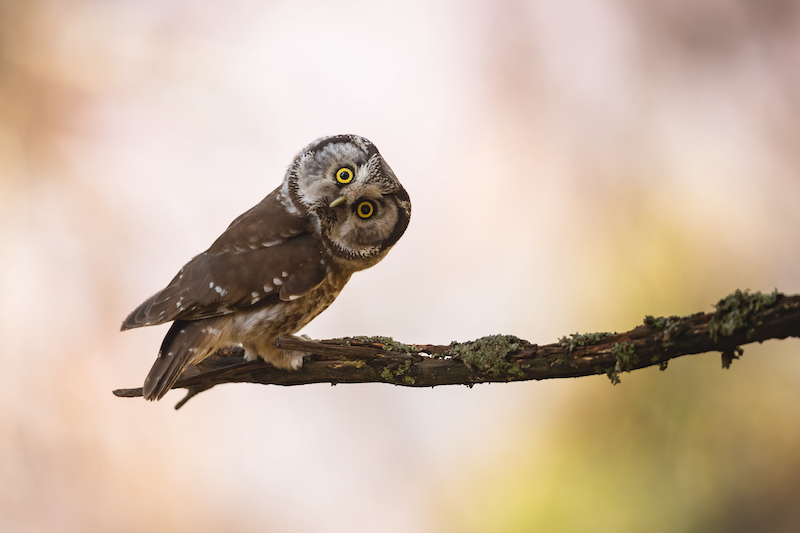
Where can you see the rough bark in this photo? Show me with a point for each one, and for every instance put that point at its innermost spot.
(740, 318)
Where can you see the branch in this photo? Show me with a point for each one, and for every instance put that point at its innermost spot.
(740, 318)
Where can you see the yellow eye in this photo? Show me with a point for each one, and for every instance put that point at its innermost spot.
(344, 175)
(365, 209)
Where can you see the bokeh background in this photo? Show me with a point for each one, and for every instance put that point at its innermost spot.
(573, 166)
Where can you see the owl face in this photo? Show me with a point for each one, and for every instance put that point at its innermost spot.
(357, 205)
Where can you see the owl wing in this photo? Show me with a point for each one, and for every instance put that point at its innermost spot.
(265, 255)
(265, 225)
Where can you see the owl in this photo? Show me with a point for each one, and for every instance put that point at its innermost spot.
(339, 210)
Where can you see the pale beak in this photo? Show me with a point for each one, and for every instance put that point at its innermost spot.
(338, 201)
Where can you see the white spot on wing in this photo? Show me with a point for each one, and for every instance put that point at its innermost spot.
(211, 285)
(285, 274)
(277, 281)
(294, 296)
(268, 288)
(254, 294)
(220, 290)
(255, 300)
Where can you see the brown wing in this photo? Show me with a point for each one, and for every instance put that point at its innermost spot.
(241, 269)
(266, 224)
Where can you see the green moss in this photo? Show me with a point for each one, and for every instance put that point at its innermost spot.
(661, 321)
(656, 322)
(390, 344)
(582, 339)
(736, 311)
(397, 374)
(625, 357)
(490, 354)
(670, 324)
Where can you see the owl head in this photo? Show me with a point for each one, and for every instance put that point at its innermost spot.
(352, 197)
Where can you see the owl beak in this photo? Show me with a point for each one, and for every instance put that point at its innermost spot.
(338, 201)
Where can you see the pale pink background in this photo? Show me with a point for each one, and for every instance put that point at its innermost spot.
(573, 166)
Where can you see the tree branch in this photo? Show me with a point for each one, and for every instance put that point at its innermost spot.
(740, 318)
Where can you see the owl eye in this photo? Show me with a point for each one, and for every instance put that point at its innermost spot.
(365, 209)
(345, 175)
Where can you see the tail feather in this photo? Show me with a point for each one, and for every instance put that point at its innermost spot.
(175, 355)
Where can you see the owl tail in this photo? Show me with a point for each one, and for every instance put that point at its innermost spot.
(174, 356)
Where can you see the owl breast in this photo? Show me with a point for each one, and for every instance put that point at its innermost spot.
(256, 330)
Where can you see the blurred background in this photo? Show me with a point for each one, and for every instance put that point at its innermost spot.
(573, 166)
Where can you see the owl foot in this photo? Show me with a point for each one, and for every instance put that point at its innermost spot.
(293, 359)
(283, 359)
